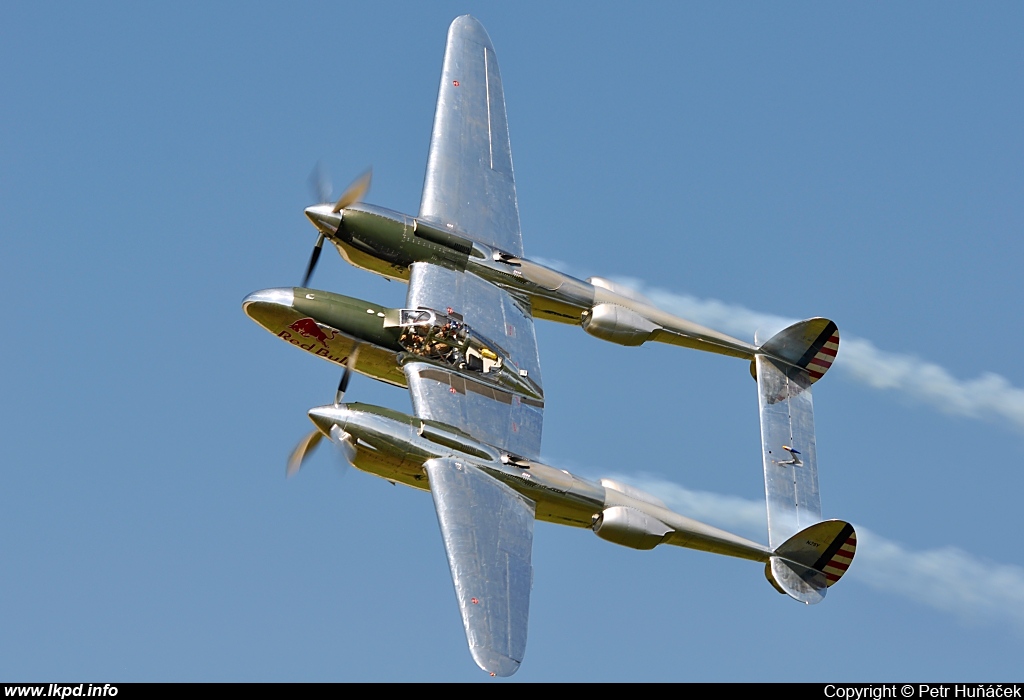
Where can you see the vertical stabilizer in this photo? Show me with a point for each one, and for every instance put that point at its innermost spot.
(806, 564)
(810, 345)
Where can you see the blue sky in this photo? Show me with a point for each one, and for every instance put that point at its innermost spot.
(861, 163)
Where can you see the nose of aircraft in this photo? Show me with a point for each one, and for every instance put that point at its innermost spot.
(326, 220)
(270, 307)
(324, 417)
(281, 296)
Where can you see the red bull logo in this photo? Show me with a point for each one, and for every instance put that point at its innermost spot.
(309, 336)
(308, 328)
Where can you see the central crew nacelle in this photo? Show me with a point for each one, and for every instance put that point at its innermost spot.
(331, 325)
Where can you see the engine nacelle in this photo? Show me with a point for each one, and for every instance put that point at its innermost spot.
(617, 324)
(630, 528)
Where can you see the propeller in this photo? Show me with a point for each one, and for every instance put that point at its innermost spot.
(346, 375)
(320, 183)
(355, 192)
(344, 441)
(302, 450)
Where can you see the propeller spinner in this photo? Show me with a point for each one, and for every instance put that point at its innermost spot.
(326, 217)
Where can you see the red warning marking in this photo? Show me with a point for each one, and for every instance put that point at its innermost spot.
(455, 83)
(474, 601)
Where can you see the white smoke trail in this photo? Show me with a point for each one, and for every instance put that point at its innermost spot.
(989, 396)
(947, 579)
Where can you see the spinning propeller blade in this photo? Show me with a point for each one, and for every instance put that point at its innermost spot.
(344, 441)
(320, 183)
(301, 451)
(355, 192)
(346, 374)
(313, 259)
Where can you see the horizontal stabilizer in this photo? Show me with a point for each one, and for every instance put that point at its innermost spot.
(806, 564)
(810, 345)
(788, 447)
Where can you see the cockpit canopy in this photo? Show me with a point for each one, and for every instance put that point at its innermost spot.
(414, 317)
(437, 336)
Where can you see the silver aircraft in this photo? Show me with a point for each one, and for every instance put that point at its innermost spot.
(465, 347)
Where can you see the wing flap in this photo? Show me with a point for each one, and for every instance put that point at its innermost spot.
(500, 418)
(487, 530)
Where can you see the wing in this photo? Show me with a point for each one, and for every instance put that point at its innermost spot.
(506, 419)
(488, 536)
(469, 186)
